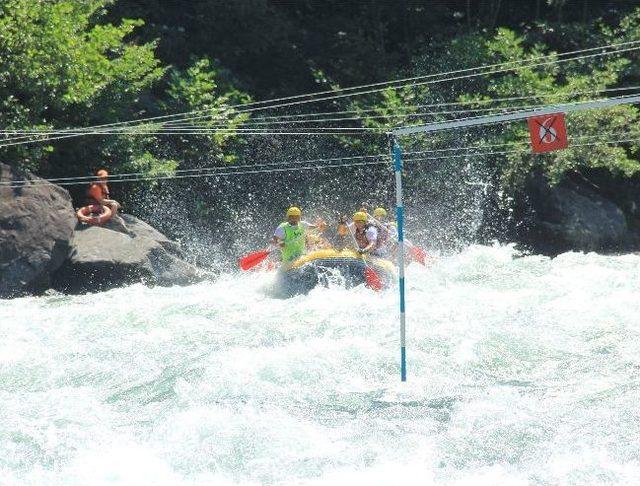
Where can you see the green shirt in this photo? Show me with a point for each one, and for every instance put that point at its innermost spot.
(294, 241)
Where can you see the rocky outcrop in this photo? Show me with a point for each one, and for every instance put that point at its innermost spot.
(43, 246)
(36, 224)
(117, 254)
(573, 217)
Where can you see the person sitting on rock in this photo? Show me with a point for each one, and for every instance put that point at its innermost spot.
(98, 193)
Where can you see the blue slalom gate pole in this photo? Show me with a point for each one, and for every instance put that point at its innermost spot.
(397, 162)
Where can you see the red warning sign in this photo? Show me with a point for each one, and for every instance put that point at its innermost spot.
(548, 132)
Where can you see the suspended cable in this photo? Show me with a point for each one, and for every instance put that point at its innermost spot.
(93, 178)
(283, 118)
(577, 103)
(378, 159)
(307, 132)
(413, 81)
(274, 102)
(328, 166)
(254, 131)
(193, 129)
(206, 129)
(424, 83)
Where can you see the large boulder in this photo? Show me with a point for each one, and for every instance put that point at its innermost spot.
(36, 223)
(104, 257)
(572, 217)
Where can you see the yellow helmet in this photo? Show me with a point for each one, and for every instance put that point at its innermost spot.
(294, 211)
(379, 212)
(360, 216)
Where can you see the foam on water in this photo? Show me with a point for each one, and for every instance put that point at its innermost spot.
(521, 371)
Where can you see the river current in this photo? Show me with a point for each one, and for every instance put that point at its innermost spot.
(521, 370)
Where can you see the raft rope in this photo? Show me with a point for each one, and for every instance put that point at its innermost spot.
(380, 159)
(360, 90)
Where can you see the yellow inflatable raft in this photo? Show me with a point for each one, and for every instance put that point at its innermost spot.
(341, 267)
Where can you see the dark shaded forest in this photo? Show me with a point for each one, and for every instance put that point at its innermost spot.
(272, 47)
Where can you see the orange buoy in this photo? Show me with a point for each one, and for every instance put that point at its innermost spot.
(94, 214)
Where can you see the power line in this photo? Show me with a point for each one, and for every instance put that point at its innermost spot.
(443, 104)
(423, 83)
(578, 105)
(363, 89)
(274, 102)
(381, 159)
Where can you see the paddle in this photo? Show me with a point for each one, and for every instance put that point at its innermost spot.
(249, 261)
(418, 254)
(372, 279)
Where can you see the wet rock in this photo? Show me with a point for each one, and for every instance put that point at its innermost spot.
(123, 252)
(36, 225)
(571, 217)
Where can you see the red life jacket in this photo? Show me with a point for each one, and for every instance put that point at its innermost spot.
(361, 236)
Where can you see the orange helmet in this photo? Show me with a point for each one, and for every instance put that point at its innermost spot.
(102, 173)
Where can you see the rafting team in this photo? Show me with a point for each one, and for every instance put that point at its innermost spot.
(373, 235)
(367, 234)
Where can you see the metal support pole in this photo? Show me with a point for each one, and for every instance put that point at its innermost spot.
(397, 161)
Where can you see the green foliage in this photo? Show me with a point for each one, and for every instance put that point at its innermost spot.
(62, 65)
(202, 89)
(59, 68)
(538, 76)
(561, 83)
(382, 111)
(148, 165)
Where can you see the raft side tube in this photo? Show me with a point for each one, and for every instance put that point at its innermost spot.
(327, 266)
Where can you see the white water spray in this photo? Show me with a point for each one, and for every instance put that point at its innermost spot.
(521, 371)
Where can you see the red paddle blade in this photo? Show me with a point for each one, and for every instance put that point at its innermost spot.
(264, 266)
(372, 279)
(253, 259)
(419, 255)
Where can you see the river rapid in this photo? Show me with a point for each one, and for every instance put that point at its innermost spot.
(521, 370)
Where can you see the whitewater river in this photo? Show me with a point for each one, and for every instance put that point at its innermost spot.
(520, 371)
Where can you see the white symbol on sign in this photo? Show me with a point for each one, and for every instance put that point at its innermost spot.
(547, 133)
